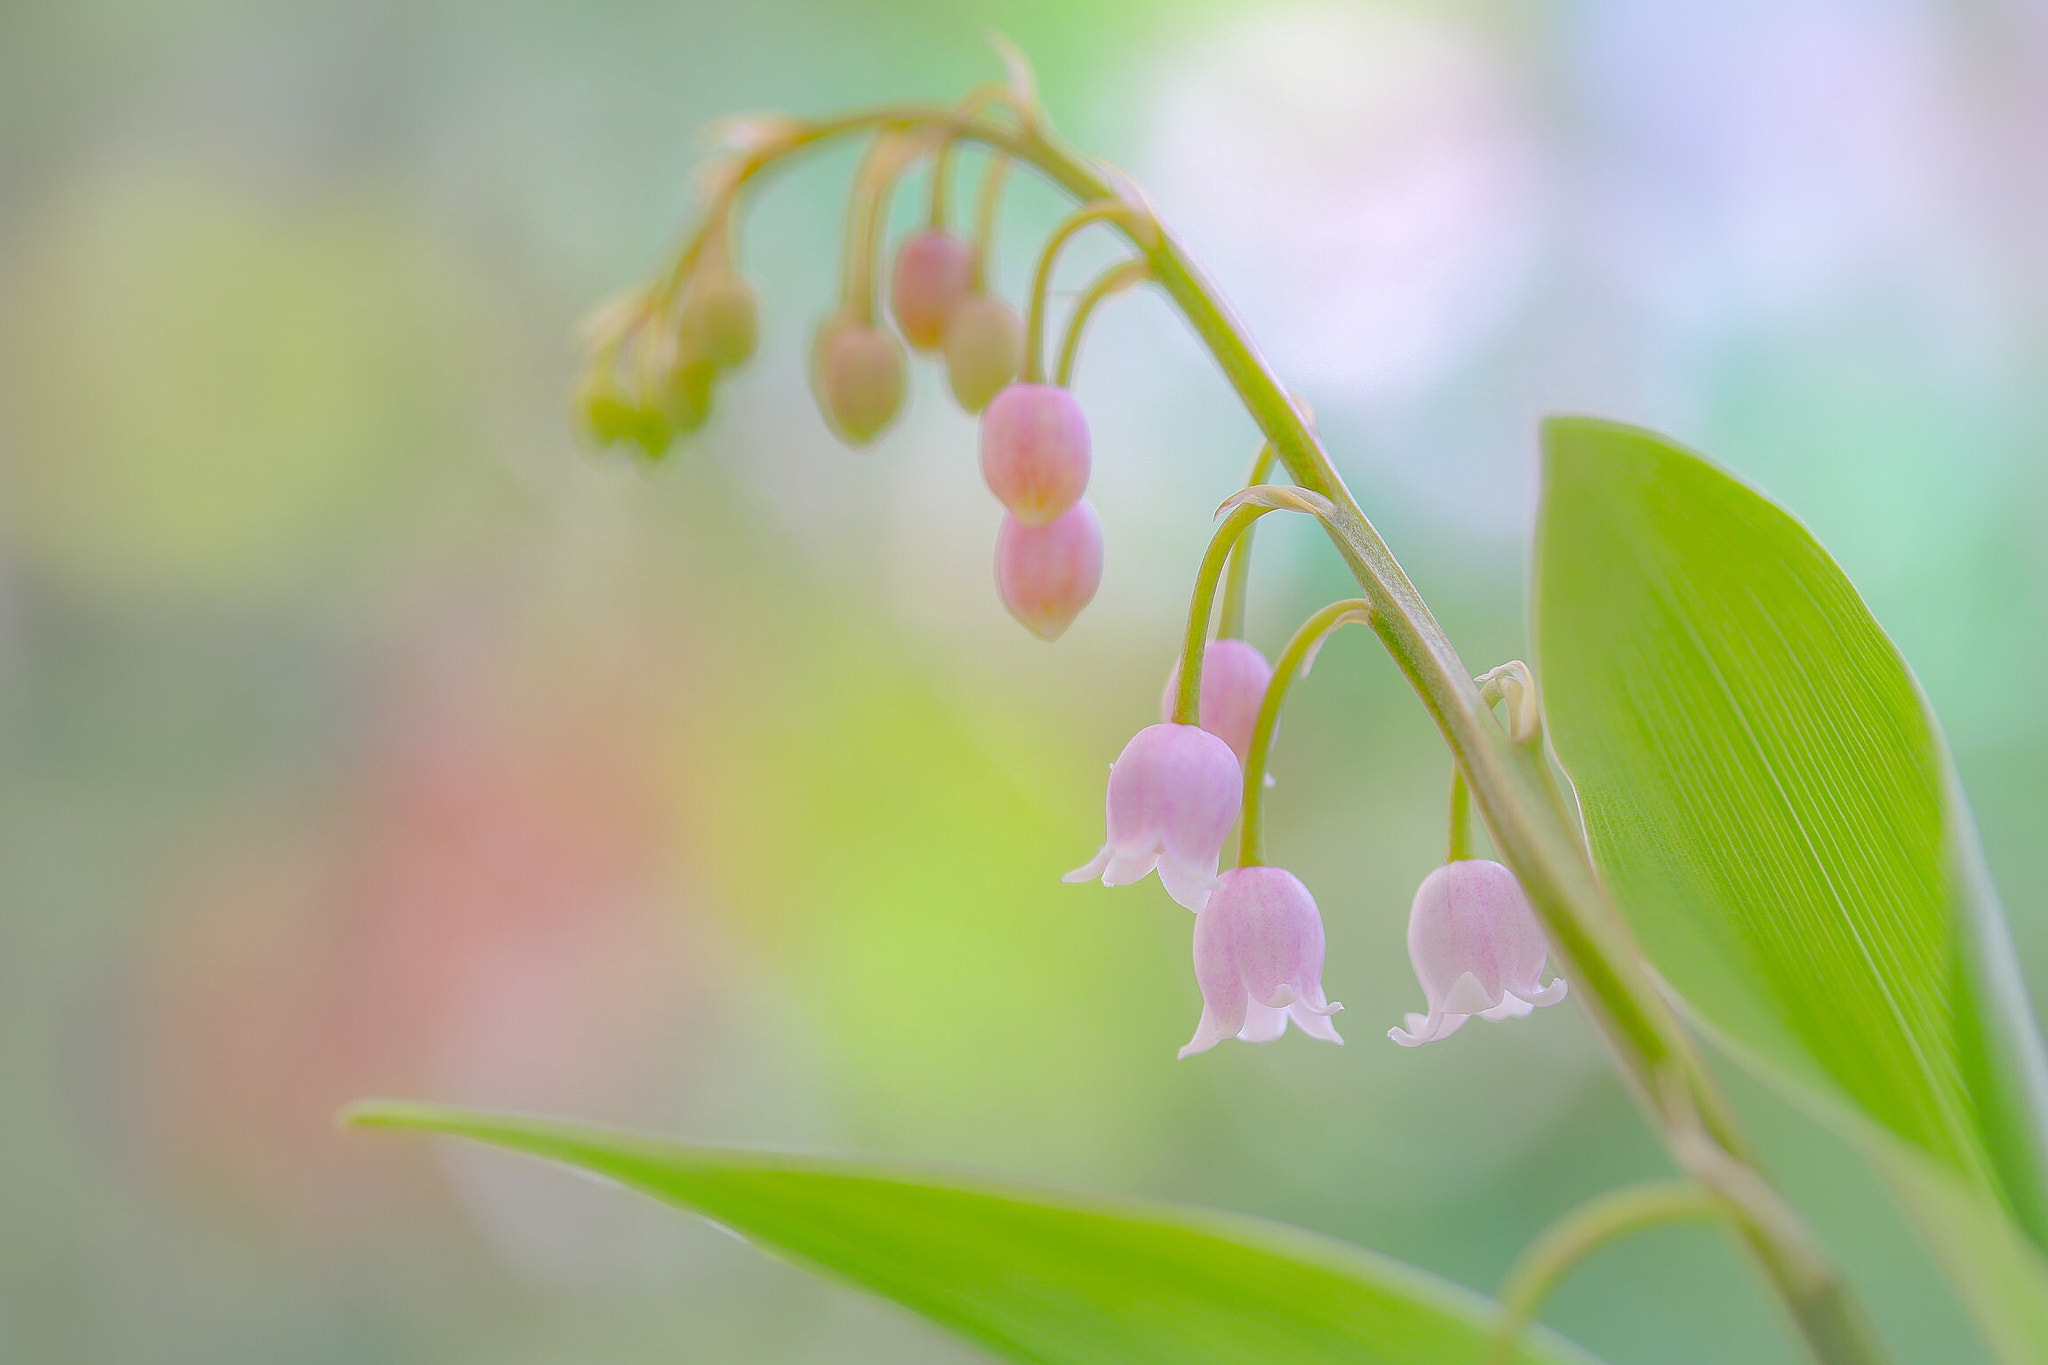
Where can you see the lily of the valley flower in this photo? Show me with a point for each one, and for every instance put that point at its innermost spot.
(1259, 960)
(1174, 793)
(1477, 947)
(1234, 678)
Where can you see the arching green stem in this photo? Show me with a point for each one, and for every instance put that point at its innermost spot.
(1294, 659)
(1237, 583)
(1111, 282)
(1187, 697)
(1579, 1234)
(1105, 210)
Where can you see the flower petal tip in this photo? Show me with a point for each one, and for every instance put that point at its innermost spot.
(1091, 869)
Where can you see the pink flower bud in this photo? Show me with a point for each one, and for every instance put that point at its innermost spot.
(857, 374)
(723, 323)
(934, 271)
(1034, 451)
(1046, 574)
(1259, 960)
(1234, 678)
(1173, 795)
(1477, 947)
(984, 347)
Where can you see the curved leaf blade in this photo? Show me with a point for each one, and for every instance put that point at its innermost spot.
(1055, 1279)
(1769, 797)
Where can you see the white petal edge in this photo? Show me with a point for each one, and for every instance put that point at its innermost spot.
(1316, 1022)
(1126, 866)
(1427, 1029)
(1190, 885)
(1091, 869)
(1466, 996)
(1262, 1023)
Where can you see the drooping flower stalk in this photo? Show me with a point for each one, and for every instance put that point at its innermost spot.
(1187, 698)
(1509, 783)
(1234, 680)
(1295, 659)
(1237, 582)
(1102, 211)
(1460, 822)
(1111, 282)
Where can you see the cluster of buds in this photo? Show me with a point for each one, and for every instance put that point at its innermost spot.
(656, 355)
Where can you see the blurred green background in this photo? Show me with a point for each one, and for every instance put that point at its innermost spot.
(361, 734)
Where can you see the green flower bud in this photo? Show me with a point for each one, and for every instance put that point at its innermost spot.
(609, 416)
(650, 431)
(723, 322)
(984, 347)
(686, 399)
(603, 411)
(857, 374)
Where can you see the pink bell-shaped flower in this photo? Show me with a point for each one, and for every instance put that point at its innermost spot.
(1034, 451)
(1259, 960)
(1234, 678)
(1174, 793)
(1046, 574)
(1477, 947)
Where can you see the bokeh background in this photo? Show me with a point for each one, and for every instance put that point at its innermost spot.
(359, 733)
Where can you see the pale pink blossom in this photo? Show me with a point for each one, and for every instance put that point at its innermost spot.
(1234, 678)
(1034, 450)
(1174, 793)
(1046, 574)
(1477, 947)
(1259, 960)
(934, 272)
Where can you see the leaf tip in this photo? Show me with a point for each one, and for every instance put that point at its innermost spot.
(378, 1113)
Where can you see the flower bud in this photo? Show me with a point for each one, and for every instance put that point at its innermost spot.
(1034, 451)
(1046, 574)
(1477, 948)
(723, 323)
(934, 272)
(1234, 678)
(609, 416)
(1259, 960)
(857, 374)
(1174, 793)
(984, 347)
(686, 398)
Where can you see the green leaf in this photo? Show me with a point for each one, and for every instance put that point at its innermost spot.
(1769, 798)
(1034, 1276)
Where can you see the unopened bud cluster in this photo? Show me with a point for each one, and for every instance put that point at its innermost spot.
(656, 359)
